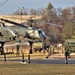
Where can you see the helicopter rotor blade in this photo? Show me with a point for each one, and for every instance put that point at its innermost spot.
(53, 24)
(16, 24)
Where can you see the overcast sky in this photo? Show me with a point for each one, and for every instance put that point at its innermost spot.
(12, 5)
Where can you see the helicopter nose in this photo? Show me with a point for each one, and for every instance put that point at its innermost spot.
(42, 34)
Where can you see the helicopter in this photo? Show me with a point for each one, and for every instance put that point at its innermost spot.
(26, 31)
(22, 30)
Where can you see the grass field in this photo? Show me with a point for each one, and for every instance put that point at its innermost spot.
(15, 56)
(12, 68)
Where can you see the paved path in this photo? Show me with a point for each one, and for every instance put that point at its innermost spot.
(53, 59)
(44, 61)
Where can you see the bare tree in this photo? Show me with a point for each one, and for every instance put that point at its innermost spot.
(33, 11)
(20, 11)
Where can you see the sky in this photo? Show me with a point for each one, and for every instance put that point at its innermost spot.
(12, 5)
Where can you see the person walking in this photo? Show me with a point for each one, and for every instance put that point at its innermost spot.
(50, 50)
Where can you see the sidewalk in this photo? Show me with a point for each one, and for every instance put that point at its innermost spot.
(60, 56)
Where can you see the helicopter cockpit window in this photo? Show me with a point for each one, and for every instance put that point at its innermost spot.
(42, 33)
(39, 31)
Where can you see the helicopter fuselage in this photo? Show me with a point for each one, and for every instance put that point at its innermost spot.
(29, 32)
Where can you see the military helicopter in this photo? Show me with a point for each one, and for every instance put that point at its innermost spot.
(26, 31)
(21, 30)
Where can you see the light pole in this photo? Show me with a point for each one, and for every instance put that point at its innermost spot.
(21, 10)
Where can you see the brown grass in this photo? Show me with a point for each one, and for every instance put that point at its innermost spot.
(7, 68)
